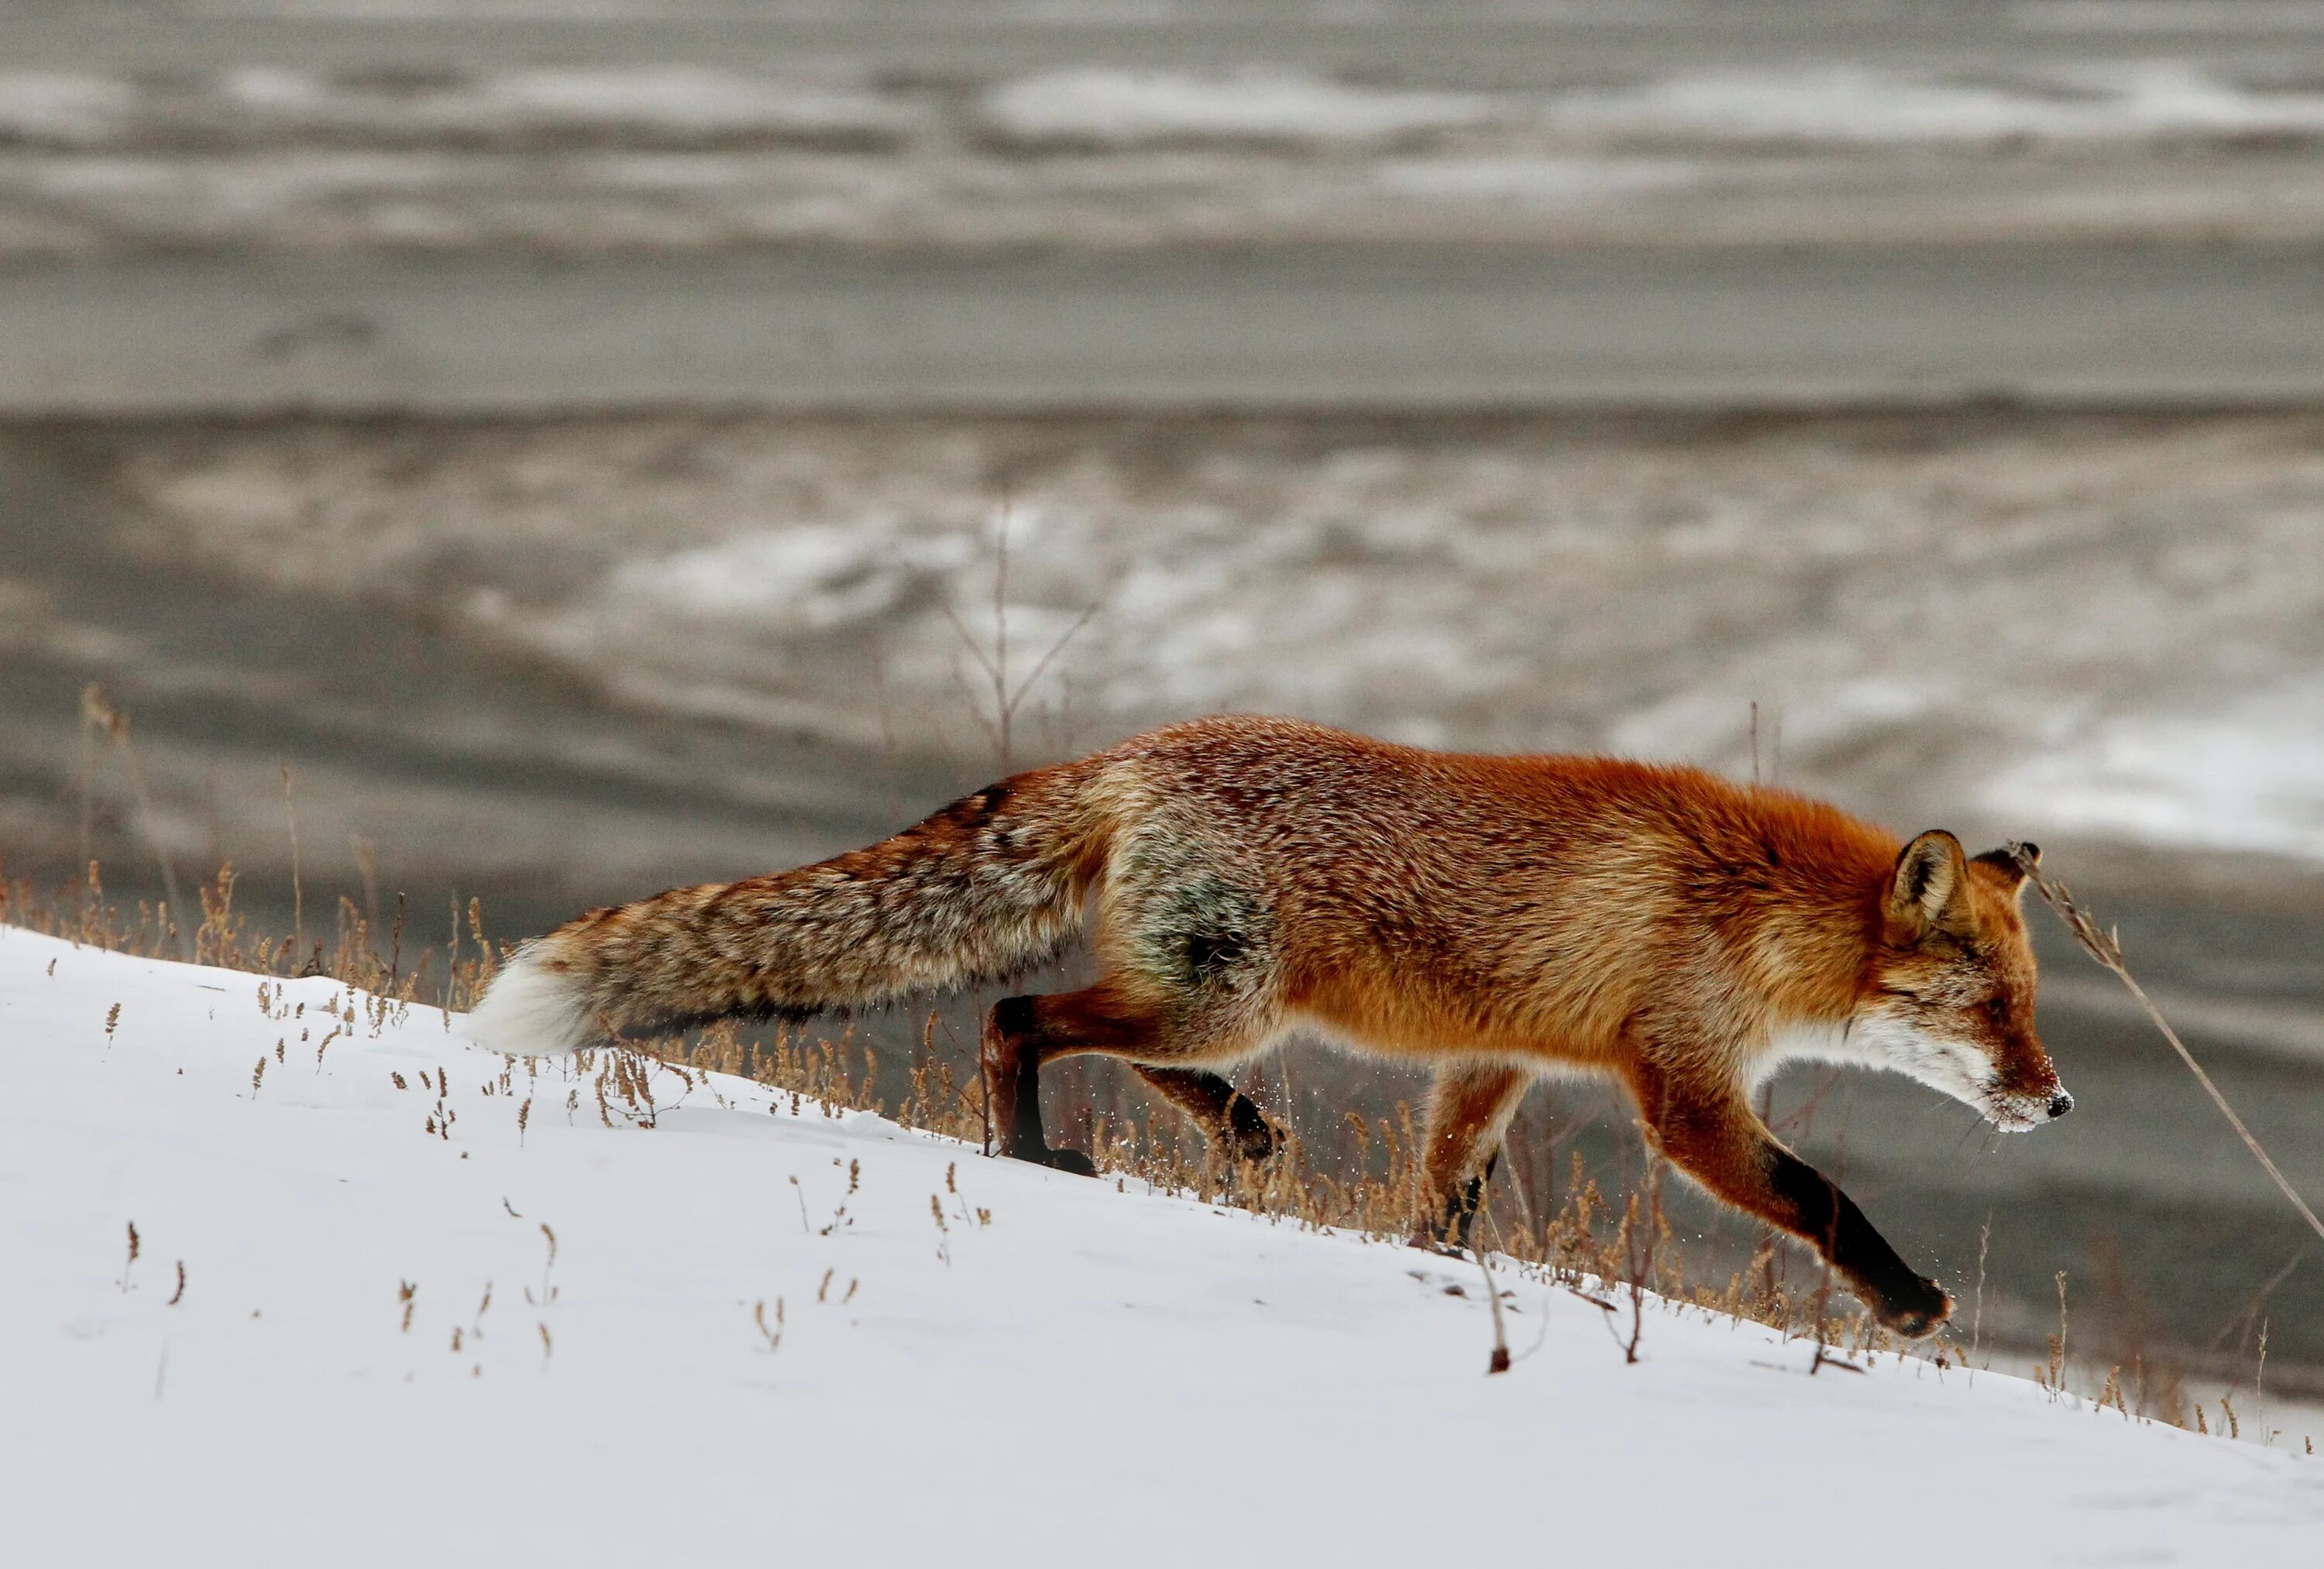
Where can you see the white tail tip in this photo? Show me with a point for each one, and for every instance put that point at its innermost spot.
(529, 1011)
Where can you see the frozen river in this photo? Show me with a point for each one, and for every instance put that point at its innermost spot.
(259, 207)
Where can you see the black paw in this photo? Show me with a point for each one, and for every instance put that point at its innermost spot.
(1255, 1144)
(1913, 1311)
(1072, 1161)
(1249, 1133)
(1069, 1160)
(1453, 1232)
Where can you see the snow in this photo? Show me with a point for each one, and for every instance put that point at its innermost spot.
(1126, 1378)
(686, 101)
(57, 106)
(1112, 108)
(2245, 775)
(813, 579)
(1856, 104)
(1032, 148)
(1838, 104)
(1842, 105)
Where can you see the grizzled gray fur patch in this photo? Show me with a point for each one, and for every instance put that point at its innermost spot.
(1191, 925)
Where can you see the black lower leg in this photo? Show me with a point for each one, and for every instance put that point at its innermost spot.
(1017, 1030)
(1471, 1200)
(1462, 1205)
(1226, 1112)
(1025, 1136)
(1016, 1019)
(1895, 1291)
(1254, 1137)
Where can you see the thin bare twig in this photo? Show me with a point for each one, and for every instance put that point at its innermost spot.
(298, 890)
(1499, 1363)
(94, 716)
(1055, 648)
(1008, 696)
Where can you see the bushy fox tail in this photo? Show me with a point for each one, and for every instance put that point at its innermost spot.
(991, 886)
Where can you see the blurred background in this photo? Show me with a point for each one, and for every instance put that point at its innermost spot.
(593, 444)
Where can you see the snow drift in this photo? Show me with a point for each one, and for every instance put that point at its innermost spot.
(433, 1307)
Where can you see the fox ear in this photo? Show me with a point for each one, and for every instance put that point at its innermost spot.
(2013, 861)
(1931, 875)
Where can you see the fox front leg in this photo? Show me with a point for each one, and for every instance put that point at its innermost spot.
(1722, 1144)
(1904, 1301)
(1469, 1110)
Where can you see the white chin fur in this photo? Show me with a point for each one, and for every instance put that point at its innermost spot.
(529, 1011)
(1950, 1068)
(2016, 1113)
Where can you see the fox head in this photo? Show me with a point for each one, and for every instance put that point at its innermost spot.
(1949, 995)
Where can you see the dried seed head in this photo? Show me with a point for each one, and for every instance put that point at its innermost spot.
(2103, 946)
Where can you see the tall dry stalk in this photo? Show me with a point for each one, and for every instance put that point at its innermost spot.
(298, 887)
(2105, 947)
(102, 721)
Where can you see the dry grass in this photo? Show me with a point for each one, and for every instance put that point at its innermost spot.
(1615, 1251)
(1590, 1243)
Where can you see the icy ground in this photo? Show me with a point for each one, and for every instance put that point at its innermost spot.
(1034, 143)
(375, 1358)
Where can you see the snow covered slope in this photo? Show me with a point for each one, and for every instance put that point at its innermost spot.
(1059, 1371)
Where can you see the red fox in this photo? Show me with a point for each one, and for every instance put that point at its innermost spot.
(1500, 917)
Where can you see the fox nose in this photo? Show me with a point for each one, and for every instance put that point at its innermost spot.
(2060, 1105)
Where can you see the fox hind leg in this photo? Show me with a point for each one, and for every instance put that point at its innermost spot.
(1234, 1124)
(1107, 1019)
(1468, 1111)
(1018, 1038)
